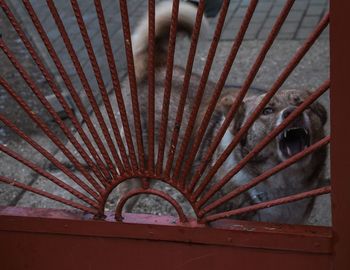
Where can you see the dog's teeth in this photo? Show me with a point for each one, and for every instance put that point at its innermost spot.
(289, 151)
(285, 134)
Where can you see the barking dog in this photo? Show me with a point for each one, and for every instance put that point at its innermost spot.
(305, 130)
(304, 175)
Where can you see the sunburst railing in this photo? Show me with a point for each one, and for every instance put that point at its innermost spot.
(112, 148)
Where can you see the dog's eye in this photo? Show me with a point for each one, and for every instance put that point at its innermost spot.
(267, 110)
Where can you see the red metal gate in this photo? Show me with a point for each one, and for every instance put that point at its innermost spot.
(92, 238)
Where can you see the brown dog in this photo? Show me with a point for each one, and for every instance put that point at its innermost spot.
(304, 175)
(305, 130)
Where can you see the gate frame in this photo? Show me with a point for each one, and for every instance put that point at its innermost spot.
(340, 147)
(38, 238)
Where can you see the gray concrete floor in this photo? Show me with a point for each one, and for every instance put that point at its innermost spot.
(310, 73)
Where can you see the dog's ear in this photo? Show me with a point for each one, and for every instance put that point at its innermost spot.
(226, 103)
(239, 118)
(320, 111)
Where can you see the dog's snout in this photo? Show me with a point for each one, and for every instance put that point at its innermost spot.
(287, 112)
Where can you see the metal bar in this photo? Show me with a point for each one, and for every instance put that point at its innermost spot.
(54, 179)
(48, 107)
(116, 82)
(164, 196)
(40, 149)
(340, 147)
(248, 81)
(20, 185)
(269, 137)
(278, 83)
(132, 81)
(264, 176)
(184, 90)
(151, 84)
(54, 88)
(239, 234)
(258, 206)
(51, 136)
(200, 90)
(167, 86)
(86, 87)
(73, 93)
(103, 91)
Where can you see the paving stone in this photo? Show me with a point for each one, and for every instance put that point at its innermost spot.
(315, 10)
(310, 21)
(289, 28)
(269, 22)
(285, 36)
(276, 10)
(259, 17)
(295, 16)
(318, 1)
(300, 5)
(240, 12)
(303, 33)
(263, 33)
(253, 30)
(264, 6)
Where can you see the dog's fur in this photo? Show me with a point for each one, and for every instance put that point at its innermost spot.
(299, 177)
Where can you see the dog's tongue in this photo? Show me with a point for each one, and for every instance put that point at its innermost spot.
(295, 145)
(293, 141)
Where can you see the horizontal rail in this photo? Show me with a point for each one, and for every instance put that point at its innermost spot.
(243, 234)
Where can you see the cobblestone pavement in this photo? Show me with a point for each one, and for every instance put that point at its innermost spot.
(11, 110)
(303, 17)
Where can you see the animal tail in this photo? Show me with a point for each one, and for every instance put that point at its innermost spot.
(163, 12)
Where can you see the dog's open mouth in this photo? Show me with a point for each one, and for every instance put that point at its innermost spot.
(293, 140)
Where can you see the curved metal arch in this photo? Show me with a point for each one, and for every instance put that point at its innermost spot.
(139, 176)
(158, 193)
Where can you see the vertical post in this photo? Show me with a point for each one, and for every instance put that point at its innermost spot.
(340, 145)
